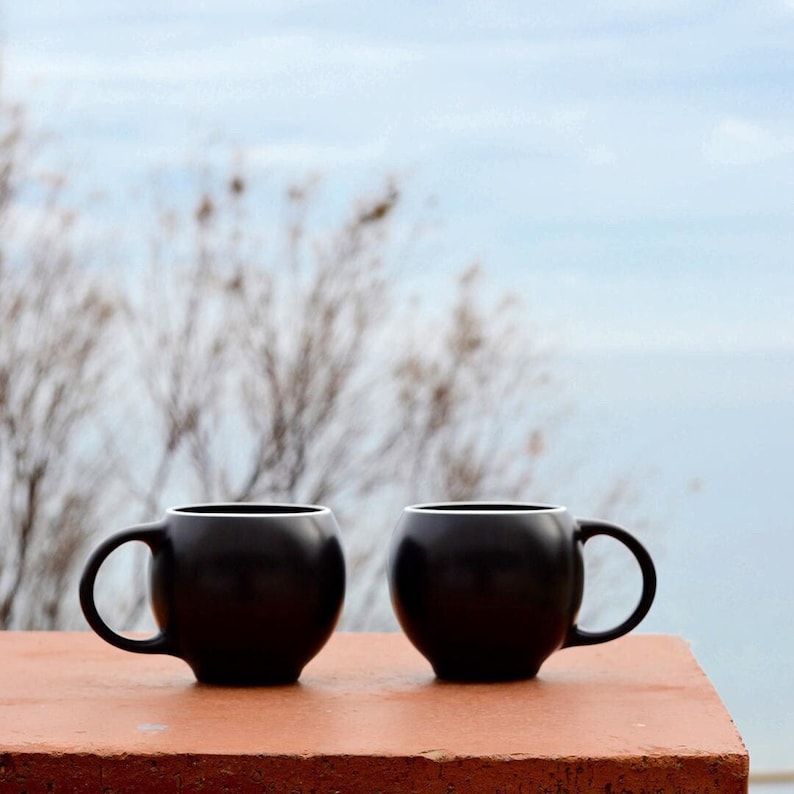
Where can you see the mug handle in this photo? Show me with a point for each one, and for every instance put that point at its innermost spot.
(589, 528)
(152, 535)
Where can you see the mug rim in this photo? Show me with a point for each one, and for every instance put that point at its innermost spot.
(248, 509)
(489, 507)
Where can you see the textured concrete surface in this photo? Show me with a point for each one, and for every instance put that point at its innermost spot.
(634, 715)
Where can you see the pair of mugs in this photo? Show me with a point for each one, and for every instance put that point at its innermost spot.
(247, 594)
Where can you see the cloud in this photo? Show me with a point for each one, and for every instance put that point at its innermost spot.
(286, 53)
(503, 118)
(600, 155)
(741, 142)
(304, 155)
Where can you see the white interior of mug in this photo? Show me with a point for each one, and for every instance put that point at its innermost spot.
(248, 509)
(485, 507)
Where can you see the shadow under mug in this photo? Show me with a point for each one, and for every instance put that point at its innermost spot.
(487, 591)
(245, 593)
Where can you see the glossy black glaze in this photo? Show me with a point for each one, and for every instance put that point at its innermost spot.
(246, 594)
(489, 591)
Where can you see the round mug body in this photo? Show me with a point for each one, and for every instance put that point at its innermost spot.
(488, 591)
(246, 594)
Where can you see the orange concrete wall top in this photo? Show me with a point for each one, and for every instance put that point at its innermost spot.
(634, 715)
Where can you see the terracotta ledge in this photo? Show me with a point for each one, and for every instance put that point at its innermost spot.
(635, 715)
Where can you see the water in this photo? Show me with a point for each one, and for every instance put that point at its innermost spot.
(712, 437)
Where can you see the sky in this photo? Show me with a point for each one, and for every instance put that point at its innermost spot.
(627, 167)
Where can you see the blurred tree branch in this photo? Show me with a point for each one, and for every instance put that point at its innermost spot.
(53, 369)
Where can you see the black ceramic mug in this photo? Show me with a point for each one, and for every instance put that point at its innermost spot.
(488, 591)
(245, 593)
